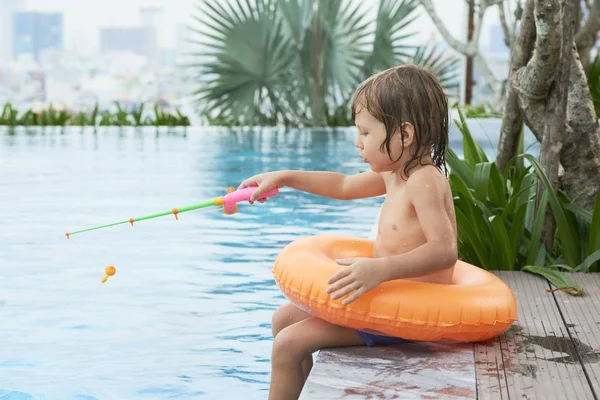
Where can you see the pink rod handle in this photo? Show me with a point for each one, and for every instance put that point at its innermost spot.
(229, 200)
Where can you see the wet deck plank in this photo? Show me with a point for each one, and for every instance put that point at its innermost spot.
(551, 352)
(533, 360)
(405, 371)
(582, 315)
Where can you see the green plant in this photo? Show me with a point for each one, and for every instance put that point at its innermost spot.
(481, 111)
(121, 117)
(500, 217)
(106, 119)
(137, 115)
(80, 119)
(593, 77)
(297, 62)
(9, 116)
(93, 120)
(446, 67)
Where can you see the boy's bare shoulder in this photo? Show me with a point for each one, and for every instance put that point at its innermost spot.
(428, 178)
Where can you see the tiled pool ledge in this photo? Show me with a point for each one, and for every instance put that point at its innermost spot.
(551, 352)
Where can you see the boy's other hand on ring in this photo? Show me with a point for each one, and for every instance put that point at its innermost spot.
(361, 275)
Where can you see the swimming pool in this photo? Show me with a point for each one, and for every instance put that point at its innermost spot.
(188, 313)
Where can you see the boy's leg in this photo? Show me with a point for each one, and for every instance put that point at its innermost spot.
(286, 315)
(294, 343)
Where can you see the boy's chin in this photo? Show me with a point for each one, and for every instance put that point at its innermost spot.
(379, 170)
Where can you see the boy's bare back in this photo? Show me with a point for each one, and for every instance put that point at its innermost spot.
(399, 228)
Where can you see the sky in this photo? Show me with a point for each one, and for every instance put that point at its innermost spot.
(83, 18)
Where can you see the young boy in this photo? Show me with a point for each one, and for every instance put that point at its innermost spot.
(402, 120)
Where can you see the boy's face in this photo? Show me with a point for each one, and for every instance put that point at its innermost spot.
(371, 135)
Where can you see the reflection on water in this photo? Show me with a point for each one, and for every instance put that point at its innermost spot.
(188, 313)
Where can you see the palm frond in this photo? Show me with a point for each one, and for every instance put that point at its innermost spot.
(444, 65)
(297, 61)
(389, 45)
(347, 44)
(249, 57)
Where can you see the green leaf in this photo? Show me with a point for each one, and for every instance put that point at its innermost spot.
(464, 195)
(460, 168)
(502, 248)
(471, 236)
(497, 191)
(578, 221)
(481, 180)
(559, 279)
(588, 262)
(540, 258)
(560, 266)
(515, 199)
(578, 211)
(593, 79)
(516, 232)
(566, 233)
(297, 14)
(389, 47)
(536, 232)
(445, 66)
(474, 154)
(530, 181)
(594, 243)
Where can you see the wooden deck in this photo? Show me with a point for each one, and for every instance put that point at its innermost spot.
(551, 352)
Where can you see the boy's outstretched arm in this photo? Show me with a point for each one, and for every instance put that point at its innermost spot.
(322, 183)
(428, 196)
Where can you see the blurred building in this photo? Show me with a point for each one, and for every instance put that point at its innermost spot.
(7, 10)
(152, 17)
(183, 39)
(34, 32)
(137, 40)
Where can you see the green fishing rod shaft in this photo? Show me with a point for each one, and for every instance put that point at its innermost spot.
(174, 211)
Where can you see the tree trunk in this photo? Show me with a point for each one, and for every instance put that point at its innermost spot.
(469, 66)
(512, 122)
(530, 85)
(556, 112)
(580, 153)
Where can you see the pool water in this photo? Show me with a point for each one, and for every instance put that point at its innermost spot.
(188, 313)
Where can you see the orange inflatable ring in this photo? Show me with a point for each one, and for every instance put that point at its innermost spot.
(477, 306)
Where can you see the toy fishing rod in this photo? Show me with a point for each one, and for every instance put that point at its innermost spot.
(229, 203)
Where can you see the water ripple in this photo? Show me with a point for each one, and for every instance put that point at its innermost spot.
(188, 313)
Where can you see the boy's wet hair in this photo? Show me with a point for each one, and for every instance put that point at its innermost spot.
(408, 93)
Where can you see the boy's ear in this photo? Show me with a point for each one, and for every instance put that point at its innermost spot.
(407, 130)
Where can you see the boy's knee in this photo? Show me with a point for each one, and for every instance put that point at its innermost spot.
(282, 318)
(287, 346)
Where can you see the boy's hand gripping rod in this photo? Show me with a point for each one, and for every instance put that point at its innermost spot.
(229, 203)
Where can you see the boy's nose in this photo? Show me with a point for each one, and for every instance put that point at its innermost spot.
(358, 143)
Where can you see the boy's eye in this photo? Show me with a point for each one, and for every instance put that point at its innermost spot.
(365, 133)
